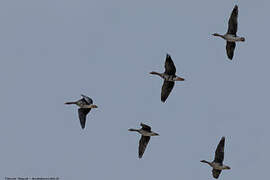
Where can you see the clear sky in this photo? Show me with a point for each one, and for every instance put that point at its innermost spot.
(54, 50)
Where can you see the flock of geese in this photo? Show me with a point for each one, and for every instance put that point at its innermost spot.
(86, 104)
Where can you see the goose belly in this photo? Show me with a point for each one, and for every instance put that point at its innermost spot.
(217, 166)
(146, 133)
(232, 38)
(169, 78)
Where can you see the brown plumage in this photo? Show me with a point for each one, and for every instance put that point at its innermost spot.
(169, 77)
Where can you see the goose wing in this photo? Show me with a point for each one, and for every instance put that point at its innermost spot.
(216, 173)
(87, 99)
(232, 25)
(169, 66)
(230, 46)
(166, 89)
(219, 154)
(146, 127)
(82, 115)
(142, 145)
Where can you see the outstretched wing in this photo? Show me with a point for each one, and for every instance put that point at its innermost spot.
(169, 66)
(232, 25)
(142, 145)
(166, 89)
(146, 127)
(219, 154)
(82, 115)
(87, 99)
(230, 46)
(216, 173)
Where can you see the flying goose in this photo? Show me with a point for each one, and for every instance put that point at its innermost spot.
(169, 78)
(217, 164)
(146, 133)
(85, 104)
(231, 36)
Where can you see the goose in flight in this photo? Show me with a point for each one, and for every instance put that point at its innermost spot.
(231, 36)
(217, 164)
(169, 78)
(146, 133)
(85, 104)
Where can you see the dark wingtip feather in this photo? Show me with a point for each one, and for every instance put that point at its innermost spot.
(223, 137)
(222, 141)
(235, 9)
(83, 126)
(142, 124)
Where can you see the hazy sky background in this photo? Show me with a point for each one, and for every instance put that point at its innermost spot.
(54, 50)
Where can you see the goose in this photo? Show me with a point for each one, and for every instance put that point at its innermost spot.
(231, 36)
(146, 133)
(217, 164)
(169, 77)
(85, 104)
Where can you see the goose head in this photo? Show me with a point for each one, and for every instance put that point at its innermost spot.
(153, 72)
(216, 34)
(204, 161)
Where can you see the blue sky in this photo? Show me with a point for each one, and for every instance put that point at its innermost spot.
(52, 51)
